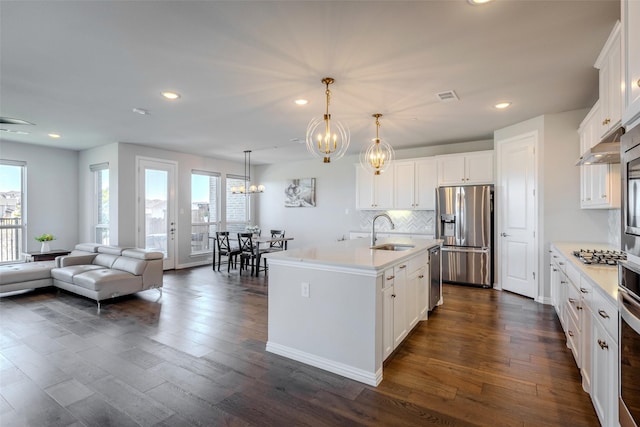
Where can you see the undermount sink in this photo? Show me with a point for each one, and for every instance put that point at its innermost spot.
(393, 247)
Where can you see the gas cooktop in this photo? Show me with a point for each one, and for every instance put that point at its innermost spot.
(600, 257)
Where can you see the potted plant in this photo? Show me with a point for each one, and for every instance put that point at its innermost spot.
(45, 239)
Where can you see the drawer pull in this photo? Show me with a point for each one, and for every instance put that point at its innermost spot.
(555, 269)
(561, 263)
(564, 282)
(571, 300)
(570, 333)
(584, 291)
(393, 295)
(603, 345)
(403, 266)
(391, 277)
(421, 276)
(579, 307)
(603, 314)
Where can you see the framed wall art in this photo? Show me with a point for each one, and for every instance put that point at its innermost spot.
(300, 193)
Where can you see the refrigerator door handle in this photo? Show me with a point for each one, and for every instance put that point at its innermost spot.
(464, 249)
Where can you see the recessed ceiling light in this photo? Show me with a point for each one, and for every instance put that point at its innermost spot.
(477, 2)
(502, 105)
(141, 111)
(54, 135)
(170, 95)
(301, 101)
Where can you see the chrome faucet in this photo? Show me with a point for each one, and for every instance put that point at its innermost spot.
(373, 226)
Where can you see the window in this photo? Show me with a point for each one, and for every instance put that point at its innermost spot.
(101, 202)
(237, 206)
(205, 208)
(12, 214)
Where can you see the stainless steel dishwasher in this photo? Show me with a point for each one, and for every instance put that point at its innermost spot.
(435, 276)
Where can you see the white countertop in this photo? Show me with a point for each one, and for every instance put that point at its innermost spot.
(605, 277)
(355, 253)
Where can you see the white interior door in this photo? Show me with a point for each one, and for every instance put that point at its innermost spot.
(517, 221)
(156, 224)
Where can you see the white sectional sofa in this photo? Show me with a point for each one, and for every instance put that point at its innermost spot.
(95, 271)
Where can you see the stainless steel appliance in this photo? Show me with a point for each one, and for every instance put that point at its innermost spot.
(600, 256)
(464, 218)
(435, 277)
(629, 308)
(630, 168)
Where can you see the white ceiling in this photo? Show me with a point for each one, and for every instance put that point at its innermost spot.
(79, 68)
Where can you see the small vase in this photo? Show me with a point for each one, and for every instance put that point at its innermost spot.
(45, 247)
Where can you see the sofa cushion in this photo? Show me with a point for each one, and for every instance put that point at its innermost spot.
(111, 250)
(133, 266)
(87, 247)
(105, 260)
(26, 271)
(67, 273)
(142, 254)
(104, 278)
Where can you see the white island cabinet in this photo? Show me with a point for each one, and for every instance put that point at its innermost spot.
(344, 307)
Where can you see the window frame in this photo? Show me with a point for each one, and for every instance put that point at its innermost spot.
(97, 201)
(213, 224)
(22, 226)
(237, 226)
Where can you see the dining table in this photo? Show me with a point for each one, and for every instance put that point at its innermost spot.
(257, 241)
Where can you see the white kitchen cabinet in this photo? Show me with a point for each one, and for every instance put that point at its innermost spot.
(415, 182)
(610, 83)
(599, 183)
(631, 63)
(604, 375)
(400, 325)
(466, 168)
(388, 297)
(374, 191)
(404, 300)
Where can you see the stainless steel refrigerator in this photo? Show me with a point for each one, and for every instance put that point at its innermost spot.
(464, 221)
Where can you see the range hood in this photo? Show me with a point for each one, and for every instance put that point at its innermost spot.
(606, 151)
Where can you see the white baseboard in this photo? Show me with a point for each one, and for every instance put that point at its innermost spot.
(544, 300)
(366, 377)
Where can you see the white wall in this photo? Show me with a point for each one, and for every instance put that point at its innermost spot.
(52, 192)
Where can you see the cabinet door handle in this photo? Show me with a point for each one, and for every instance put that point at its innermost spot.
(555, 269)
(603, 314)
(570, 332)
(561, 263)
(564, 282)
(393, 295)
(421, 276)
(579, 307)
(391, 277)
(571, 300)
(603, 344)
(584, 291)
(403, 266)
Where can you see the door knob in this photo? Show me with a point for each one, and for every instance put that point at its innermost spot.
(504, 234)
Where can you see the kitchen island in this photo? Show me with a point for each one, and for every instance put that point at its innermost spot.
(345, 307)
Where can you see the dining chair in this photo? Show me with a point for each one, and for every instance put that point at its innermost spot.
(225, 249)
(247, 251)
(280, 244)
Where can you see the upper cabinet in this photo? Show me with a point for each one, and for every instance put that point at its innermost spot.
(414, 184)
(631, 62)
(374, 191)
(599, 183)
(609, 64)
(466, 168)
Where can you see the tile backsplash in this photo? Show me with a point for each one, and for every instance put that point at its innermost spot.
(614, 228)
(405, 221)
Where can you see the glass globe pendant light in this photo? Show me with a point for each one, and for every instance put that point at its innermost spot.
(322, 140)
(377, 156)
(247, 188)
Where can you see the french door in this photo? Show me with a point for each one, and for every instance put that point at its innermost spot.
(156, 210)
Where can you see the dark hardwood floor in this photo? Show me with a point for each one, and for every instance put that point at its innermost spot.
(197, 357)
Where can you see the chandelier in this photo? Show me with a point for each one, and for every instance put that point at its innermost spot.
(377, 156)
(324, 143)
(247, 188)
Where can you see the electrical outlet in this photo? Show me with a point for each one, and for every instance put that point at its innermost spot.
(304, 289)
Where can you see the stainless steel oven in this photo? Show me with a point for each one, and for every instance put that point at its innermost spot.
(630, 168)
(629, 339)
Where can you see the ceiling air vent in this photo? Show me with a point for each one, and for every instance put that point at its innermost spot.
(447, 95)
